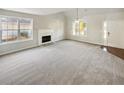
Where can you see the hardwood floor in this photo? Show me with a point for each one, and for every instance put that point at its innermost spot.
(65, 62)
(116, 51)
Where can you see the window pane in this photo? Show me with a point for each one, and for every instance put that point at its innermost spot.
(25, 24)
(4, 36)
(0, 36)
(4, 23)
(81, 26)
(77, 27)
(12, 23)
(0, 23)
(25, 34)
(12, 35)
(0, 31)
(25, 29)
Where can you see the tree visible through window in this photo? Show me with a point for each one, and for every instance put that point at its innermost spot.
(12, 29)
(79, 27)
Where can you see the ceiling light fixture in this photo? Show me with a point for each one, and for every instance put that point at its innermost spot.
(77, 14)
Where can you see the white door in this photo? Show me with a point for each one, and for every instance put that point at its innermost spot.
(115, 31)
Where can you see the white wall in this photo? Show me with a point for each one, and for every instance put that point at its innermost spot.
(55, 22)
(95, 31)
(62, 27)
(116, 30)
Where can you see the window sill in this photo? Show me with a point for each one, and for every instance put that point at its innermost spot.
(17, 41)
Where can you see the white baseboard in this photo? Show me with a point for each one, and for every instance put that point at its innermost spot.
(20, 49)
(8, 52)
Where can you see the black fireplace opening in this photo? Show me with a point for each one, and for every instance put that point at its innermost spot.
(46, 38)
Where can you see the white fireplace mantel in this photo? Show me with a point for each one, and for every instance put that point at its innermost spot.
(44, 32)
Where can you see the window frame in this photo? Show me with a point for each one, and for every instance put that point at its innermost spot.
(79, 33)
(18, 41)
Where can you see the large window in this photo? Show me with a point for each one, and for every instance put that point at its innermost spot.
(15, 29)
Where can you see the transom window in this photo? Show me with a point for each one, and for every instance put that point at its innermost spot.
(79, 27)
(15, 29)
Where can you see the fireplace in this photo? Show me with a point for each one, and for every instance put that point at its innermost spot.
(46, 38)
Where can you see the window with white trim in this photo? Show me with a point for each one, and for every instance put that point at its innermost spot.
(15, 29)
(79, 27)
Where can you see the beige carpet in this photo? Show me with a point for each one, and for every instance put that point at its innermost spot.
(64, 62)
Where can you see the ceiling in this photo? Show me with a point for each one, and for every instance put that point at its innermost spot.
(90, 11)
(68, 11)
(38, 11)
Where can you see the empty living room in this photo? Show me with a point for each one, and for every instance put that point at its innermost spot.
(61, 46)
